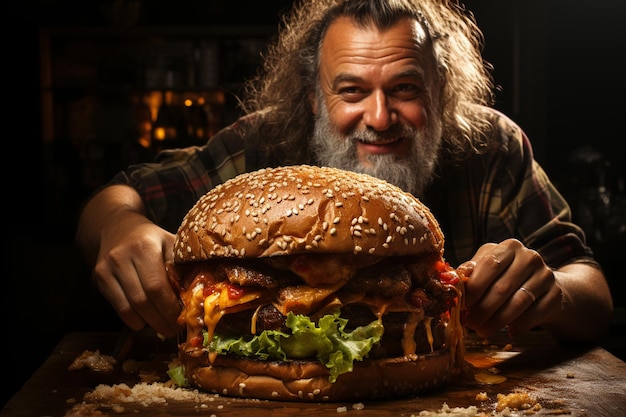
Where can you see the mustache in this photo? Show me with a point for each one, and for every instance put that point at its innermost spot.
(393, 133)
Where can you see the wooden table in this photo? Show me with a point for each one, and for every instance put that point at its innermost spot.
(571, 381)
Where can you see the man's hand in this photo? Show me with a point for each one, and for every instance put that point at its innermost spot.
(130, 273)
(129, 253)
(509, 286)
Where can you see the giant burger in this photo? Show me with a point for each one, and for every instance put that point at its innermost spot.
(303, 283)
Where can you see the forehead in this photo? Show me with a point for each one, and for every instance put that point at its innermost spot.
(347, 42)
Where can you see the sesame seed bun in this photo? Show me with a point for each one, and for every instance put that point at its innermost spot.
(306, 209)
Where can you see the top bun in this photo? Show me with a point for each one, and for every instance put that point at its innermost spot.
(306, 209)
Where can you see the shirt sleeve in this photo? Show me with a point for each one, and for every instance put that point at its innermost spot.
(171, 185)
(504, 193)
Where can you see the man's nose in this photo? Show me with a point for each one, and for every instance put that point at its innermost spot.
(379, 114)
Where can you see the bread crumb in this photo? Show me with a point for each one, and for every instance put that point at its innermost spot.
(358, 406)
(517, 401)
(446, 411)
(144, 394)
(94, 361)
(482, 396)
(342, 409)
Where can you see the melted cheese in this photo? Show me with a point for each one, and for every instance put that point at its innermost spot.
(212, 313)
(455, 332)
(253, 320)
(429, 332)
(219, 303)
(303, 299)
(408, 336)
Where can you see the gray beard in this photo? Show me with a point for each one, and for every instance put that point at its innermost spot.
(413, 172)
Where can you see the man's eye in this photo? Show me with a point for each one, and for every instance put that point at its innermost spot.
(407, 89)
(350, 90)
(352, 93)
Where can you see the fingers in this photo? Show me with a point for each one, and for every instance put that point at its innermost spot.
(155, 300)
(490, 263)
(138, 288)
(538, 310)
(506, 289)
(110, 288)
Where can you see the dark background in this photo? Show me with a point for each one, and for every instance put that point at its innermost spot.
(557, 65)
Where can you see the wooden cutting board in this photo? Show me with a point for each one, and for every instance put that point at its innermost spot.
(563, 380)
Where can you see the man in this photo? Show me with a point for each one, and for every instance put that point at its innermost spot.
(396, 89)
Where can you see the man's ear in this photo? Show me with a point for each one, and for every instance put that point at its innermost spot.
(313, 101)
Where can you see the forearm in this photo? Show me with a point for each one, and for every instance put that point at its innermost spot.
(102, 211)
(586, 307)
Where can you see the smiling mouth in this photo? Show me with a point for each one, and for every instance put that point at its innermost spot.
(381, 142)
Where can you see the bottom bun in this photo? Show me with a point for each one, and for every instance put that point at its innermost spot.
(308, 381)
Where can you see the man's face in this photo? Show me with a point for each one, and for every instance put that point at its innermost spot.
(375, 110)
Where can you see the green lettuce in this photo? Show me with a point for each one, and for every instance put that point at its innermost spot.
(177, 374)
(327, 340)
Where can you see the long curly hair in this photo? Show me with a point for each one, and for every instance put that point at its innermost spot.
(290, 71)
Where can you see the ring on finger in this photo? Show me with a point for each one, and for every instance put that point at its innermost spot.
(529, 293)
